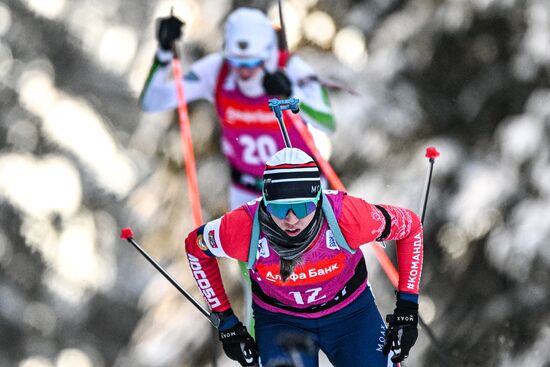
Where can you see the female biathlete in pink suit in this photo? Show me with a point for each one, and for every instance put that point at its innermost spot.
(309, 279)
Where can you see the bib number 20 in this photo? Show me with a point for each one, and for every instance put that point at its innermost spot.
(257, 151)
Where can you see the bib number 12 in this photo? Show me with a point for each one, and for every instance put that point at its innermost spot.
(311, 294)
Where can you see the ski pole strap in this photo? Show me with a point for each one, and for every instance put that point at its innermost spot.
(254, 239)
(333, 225)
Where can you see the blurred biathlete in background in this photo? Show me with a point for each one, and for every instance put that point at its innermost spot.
(309, 278)
(239, 81)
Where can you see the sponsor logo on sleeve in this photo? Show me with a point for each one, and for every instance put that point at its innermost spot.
(203, 282)
(416, 264)
(212, 239)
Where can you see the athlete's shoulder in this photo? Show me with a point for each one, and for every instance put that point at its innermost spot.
(214, 59)
(207, 66)
(334, 192)
(333, 195)
(298, 68)
(357, 209)
(241, 215)
(229, 235)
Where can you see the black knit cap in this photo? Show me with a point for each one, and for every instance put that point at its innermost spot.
(291, 175)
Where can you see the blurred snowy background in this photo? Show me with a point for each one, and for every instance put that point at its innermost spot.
(78, 161)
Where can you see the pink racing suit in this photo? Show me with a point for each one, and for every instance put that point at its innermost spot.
(329, 277)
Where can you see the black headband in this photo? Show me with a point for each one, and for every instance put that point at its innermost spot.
(292, 182)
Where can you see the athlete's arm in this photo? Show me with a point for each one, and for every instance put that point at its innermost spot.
(228, 236)
(315, 106)
(362, 222)
(159, 92)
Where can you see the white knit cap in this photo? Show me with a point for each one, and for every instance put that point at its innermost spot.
(249, 34)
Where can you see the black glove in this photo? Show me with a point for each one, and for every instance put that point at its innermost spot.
(169, 30)
(237, 343)
(402, 330)
(277, 84)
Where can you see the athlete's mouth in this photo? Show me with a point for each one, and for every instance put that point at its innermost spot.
(293, 232)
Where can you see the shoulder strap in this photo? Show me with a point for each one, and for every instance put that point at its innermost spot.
(333, 225)
(254, 239)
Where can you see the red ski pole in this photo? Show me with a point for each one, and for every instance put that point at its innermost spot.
(186, 141)
(188, 155)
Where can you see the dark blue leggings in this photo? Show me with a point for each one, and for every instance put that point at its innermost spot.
(353, 336)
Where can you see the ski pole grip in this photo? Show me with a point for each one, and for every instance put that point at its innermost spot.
(277, 105)
(431, 153)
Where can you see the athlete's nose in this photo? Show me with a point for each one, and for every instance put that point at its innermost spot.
(291, 218)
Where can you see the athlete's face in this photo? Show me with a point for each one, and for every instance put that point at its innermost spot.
(245, 73)
(246, 68)
(291, 224)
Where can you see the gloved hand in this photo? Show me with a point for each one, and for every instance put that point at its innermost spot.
(277, 84)
(237, 343)
(168, 31)
(402, 330)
